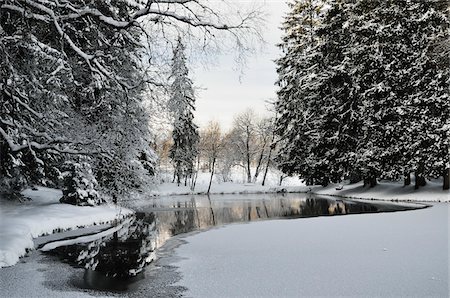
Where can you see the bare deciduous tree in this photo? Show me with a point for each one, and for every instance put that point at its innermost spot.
(211, 144)
(243, 138)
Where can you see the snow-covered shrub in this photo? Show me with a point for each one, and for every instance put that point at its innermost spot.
(12, 181)
(80, 185)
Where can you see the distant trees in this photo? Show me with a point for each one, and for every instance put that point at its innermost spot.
(367, 94)
(246, 145)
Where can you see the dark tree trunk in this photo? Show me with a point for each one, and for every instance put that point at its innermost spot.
(3, 158)
(260, 160)
(258, 166)
(446, 184)
(247, 145)
(407, 179)
(267, 167)
(371, 181)
(355, 177)
(178, 177)
(212, 174)
(420, 180)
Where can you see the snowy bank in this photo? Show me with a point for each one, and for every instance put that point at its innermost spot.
(385, 190)
(237, 186)
(42, 215)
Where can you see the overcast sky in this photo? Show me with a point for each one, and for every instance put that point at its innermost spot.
(224, 93)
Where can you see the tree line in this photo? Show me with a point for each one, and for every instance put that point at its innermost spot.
(364, 91)
(248, 145)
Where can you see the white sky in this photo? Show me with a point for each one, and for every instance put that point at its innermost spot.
(224, 93)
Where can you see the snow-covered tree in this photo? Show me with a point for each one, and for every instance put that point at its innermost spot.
(370, 99)
(295, 108)
(403, 87)
(182, 106)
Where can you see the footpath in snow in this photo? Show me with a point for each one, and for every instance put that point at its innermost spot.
(43, 215)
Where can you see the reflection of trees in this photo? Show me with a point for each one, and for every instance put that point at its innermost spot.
(123, 254)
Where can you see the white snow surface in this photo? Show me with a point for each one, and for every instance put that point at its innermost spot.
(369, 255)
(385, 190)
(43, 214)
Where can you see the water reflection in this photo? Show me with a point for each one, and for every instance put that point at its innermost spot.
(116, 261)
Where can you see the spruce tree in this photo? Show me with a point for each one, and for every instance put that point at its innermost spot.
(369, 98)
(182, 104)
(403, 87)
(295, 66)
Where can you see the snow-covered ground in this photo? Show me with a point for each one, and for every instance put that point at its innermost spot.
(42, 215)
(389, 191)
(384, 255)
(385, 190)
(238, 184)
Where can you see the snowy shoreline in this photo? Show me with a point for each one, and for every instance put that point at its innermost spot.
(384, 191)
(43, 215)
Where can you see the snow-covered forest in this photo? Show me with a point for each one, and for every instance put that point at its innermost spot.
(363, 95)
(364, 91)
(81, 83)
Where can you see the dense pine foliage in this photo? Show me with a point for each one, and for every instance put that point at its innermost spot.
(364, 90)
(182, 105)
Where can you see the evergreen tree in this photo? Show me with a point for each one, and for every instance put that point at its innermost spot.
(182, 104)
(297, 64)
(370, 98)
(402, 87)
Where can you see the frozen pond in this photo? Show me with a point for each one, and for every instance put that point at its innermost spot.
(308, 255)
(384, 255)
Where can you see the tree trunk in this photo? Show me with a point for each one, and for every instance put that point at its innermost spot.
(249, 174)
(420, 179)
(212, 174)
(370, 180)
(267, 164)
(446, 184)
(407, 179)
(178, 177)
(325, 181)
(194, 180)
(3, 158)
(260, 159)
(258, 166)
